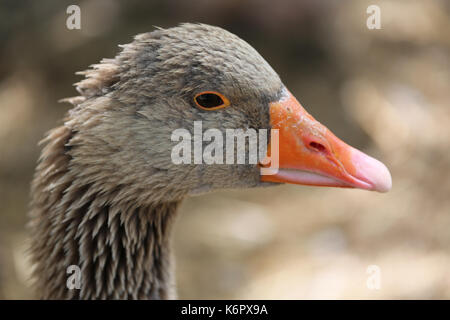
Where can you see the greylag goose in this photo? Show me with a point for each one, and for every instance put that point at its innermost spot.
(106, 191)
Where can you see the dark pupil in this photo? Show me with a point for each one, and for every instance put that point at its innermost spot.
(209, 100)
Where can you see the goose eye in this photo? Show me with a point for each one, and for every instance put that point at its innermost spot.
(210, 100)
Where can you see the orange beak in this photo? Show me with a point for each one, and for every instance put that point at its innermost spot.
(310, 154)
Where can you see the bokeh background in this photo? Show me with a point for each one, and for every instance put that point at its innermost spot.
(384, 91)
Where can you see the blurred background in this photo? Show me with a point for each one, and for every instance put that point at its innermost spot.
(384, 91)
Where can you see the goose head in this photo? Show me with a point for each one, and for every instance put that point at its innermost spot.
(168, 80)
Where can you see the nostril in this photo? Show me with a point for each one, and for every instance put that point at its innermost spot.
(317, 146)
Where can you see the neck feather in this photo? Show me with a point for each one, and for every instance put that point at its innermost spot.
(122, 250)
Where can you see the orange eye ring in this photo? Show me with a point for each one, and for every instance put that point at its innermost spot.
(211, 100)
